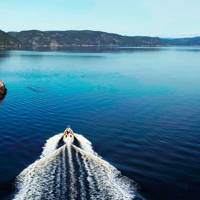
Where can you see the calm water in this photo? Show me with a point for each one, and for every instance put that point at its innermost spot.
(139, 107)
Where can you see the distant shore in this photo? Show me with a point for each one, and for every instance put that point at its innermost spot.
(33, 39)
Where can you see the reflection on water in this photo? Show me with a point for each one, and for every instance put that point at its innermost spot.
(138, 106)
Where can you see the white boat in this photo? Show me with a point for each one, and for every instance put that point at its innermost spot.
(68, 136)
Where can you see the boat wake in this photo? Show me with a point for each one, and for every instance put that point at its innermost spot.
(72, 172)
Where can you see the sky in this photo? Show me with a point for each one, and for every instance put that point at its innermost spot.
(165, 18)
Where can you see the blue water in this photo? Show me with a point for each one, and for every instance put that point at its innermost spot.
(140, 108)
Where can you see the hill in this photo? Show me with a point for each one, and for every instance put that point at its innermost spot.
(8, 42)
(73, 38)
(194, 41)
(82, 38)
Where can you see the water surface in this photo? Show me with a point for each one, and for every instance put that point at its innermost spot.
(140, 108)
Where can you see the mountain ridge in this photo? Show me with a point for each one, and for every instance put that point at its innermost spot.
(81, 38)
(78, 38)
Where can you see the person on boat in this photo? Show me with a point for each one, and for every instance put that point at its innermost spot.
(68, 132)
(68, 136)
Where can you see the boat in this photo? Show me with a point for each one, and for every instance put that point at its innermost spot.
(68, 136)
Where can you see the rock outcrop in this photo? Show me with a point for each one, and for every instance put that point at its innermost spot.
(3, 89)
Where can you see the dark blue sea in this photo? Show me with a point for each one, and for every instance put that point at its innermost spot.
(139, 107)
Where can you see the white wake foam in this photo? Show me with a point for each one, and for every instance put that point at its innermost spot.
(51, 145)
(105, 181)
(70, 172)
(86, 145)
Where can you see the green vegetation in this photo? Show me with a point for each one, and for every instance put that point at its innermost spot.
(8, 42)
(36, 38)
(81, 38)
